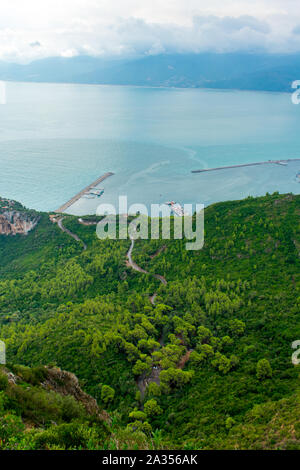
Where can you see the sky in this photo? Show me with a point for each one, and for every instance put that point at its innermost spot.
(34, 29)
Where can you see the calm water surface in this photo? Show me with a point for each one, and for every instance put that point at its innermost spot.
(55, 139)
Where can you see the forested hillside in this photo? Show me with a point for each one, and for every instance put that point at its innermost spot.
(201, 361)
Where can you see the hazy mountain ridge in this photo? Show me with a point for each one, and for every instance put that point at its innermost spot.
(269, 72)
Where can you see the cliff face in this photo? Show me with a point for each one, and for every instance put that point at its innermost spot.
(14, 222)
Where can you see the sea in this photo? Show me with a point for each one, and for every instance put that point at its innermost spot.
(55, 139)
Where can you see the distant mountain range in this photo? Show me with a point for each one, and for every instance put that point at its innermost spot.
(244, 71)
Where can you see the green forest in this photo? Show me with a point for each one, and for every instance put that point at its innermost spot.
(200, 361)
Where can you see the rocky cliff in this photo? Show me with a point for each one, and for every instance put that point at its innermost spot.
(15, 222)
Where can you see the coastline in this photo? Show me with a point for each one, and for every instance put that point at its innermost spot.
(242, 90)
(216, 186)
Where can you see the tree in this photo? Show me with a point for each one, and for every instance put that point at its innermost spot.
(174, 378)
(138, 415)
(131, 351)
(151, 408)
(205, 350)
(204, 334)
(148, 345)
(263, 369)
(141, 368)
(229, 423)
(107, 394)
(234, 361)
(153, 390)
(237, 327)
(226, 341)
(222, 363)
(144, 427)
(196, 358)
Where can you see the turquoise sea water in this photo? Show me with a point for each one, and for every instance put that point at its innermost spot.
(55, 139)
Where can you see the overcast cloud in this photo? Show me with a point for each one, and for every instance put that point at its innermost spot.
(32, 29)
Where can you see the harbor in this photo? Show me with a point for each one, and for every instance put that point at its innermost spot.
(90, 191)
(276, 162)
(177, 190)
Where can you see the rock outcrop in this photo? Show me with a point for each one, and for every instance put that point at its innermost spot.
(66, 383)
(15, 222)
(59, 381)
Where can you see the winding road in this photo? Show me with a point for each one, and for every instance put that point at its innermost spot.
(71, 234)
(136, 267)
(131, 263)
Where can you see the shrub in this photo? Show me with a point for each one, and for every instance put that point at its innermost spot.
(151, 408)
(263, 369)
(3, 381)
(107, 394)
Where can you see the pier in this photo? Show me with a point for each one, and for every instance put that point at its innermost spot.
(277, 162)
(65, 206)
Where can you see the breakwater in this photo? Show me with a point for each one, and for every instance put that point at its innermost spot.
(277, 162)
(75, 198)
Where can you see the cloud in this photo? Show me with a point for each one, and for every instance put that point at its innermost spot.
(230, 24)
(296, 30)
(35, 44)
(34, 29)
